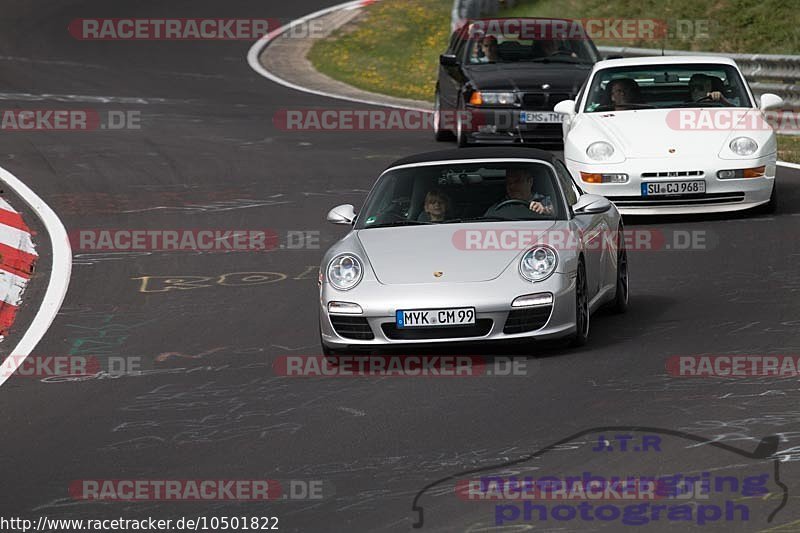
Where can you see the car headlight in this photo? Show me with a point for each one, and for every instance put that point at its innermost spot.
(743, 146)
(345, 272)
(492, 98)
(600, 151)
(538, 263)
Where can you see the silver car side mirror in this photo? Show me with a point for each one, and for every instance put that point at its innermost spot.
(591, 204)
(342, 214)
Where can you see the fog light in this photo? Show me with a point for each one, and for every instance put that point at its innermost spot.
(533, 300)
(726, 174)
(589, 177)
(344, 308)
(757, 172)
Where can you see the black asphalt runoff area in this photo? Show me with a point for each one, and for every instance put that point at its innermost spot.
(206, 328)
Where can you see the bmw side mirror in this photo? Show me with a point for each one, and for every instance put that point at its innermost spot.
(342, 214)
(448, 60)
(565, 107)
(591, 204)
(770, 101)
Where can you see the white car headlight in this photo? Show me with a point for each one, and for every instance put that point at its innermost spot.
(345, 272)
(743, 146)
(538, 263)
(600, 151)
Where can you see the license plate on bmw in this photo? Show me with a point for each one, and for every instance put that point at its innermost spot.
(667, 188)
(540, 117)
(426, 318)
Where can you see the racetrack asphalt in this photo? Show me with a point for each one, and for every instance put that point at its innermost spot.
(208, 156)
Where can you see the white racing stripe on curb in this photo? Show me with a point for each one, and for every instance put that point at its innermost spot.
(59, 276)
(11, 287)
(16, 238)
(258, 47)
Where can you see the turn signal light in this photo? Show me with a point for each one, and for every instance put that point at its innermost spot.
(589, 177)
(476, 98)
(757, 172)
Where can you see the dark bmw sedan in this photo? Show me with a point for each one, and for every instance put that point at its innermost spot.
(500, 78)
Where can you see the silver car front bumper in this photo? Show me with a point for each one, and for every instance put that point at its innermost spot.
(491, 299)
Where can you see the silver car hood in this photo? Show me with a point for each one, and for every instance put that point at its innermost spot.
(412, 254)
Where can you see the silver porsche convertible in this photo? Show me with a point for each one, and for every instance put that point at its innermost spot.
(480, 244)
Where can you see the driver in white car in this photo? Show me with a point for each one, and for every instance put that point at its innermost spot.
(704, 87)
(519, 184)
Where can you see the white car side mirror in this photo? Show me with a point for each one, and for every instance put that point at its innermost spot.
(770, 101)
(565, 107)
(342, 214)
(591, 204)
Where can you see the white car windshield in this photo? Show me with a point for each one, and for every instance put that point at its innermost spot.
(666, 87)
(463, 192)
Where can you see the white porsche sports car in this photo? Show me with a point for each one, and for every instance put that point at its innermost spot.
(662, 135)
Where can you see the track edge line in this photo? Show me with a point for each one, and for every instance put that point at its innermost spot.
(60, 273)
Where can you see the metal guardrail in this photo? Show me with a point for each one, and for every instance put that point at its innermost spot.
(779, 74)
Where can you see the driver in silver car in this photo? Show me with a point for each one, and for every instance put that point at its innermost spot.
(519, 184)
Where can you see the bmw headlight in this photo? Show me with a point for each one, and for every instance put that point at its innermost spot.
(345, 272)
(492, 98)
(538, 263)
(743, 146)
(600, 151)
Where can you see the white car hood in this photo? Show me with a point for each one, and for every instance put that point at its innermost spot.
(411, 254)
(652, 133)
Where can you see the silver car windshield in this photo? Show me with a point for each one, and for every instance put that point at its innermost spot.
(665, 87)
(463, 192)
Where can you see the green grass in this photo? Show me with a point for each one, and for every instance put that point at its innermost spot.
(789, 148)
(394, 49)
(734, 26)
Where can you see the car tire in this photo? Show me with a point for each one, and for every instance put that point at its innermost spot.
(770, 207)
(441, 135)
(462, 139)
(620, 303)
(582, 315)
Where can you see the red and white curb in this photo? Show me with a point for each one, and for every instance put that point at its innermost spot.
(17, 259)
(16, 265)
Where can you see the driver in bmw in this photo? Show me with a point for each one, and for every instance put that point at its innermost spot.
(519, 183)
